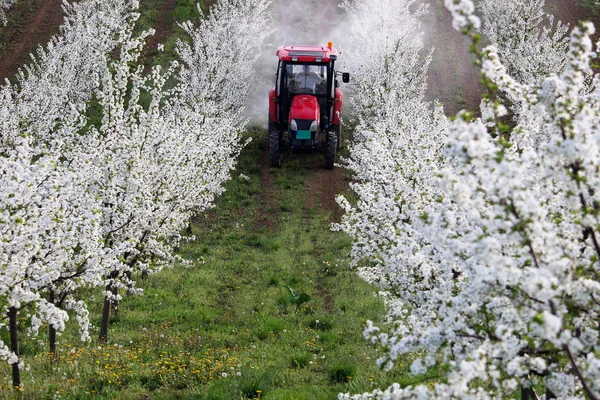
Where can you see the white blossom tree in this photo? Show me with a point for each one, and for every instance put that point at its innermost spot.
(47, 222)
(60, 80)
(529, 43)
(50, 222)
(396, 152)
(390, 78)
(167, 163)
(504, 293)
(88, 203)
(220, 58)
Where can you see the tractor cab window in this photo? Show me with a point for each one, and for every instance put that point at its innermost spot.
(306, 78)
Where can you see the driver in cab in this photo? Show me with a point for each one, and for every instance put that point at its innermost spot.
(307, 79)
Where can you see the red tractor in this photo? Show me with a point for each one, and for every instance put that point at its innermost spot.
(306, 103)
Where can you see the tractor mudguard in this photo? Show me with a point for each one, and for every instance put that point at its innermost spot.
(273, 105)
(337, 106)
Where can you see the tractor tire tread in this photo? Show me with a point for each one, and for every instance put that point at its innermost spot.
(338, 133)
(275, 149)
(330, 150)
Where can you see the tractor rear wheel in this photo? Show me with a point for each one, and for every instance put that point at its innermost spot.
(274, 146)
(330, 149)
(338, 133)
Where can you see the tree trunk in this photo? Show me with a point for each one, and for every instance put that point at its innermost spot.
(107, 306)
(114, 302)
(52, 340)
(52, 332)
(14, 345)
(105, 315)
(129, 276)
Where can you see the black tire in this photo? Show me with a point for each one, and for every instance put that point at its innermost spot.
(330, 149)
(271, 127)
(338, 133)
(275, 147)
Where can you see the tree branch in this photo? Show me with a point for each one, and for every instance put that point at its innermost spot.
(586, 388)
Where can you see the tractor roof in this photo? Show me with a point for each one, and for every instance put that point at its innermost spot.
(306, 53)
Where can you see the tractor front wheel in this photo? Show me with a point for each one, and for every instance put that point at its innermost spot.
(330, 149)
(275, 147)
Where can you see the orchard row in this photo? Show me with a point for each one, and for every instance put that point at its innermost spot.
(103, 165)
(483, 232)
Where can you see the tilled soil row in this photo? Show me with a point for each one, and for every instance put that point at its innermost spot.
(29, 26)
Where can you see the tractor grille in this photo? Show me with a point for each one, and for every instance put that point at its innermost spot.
(304, 124)
(303, 138)
(306, 145)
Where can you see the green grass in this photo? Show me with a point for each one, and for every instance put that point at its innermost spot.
(590, 5)
(185, 10)
(224, 327)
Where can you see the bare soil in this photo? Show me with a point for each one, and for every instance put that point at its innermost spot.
(269, 202)
(452, 78)
(572, 12)
(32, 26)
(569, 11)
(162, 27)
(323, 186)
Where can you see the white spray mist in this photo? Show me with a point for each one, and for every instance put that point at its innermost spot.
(295, 22)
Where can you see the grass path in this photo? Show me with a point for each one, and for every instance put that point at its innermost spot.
(224, 327)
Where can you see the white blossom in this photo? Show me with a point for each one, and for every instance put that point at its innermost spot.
(483, 234)
(530, 45)
(4, 5)
(89, 203)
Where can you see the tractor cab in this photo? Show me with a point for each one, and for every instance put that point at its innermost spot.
(306, 103)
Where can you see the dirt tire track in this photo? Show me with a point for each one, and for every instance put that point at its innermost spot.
(321, 189)
(162, 30)
(570, 12)
(323, 186)
(37, 29)
(162, 26)
(269, 202)
(452, 77)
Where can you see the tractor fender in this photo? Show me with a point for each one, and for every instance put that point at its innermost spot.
(273, 105)
(337, 106)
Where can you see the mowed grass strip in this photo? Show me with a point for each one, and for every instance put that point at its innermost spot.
(224, 326)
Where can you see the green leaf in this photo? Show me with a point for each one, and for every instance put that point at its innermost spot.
(303, 298)
(291, 294)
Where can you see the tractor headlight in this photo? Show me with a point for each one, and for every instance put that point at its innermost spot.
(313, 126)
(293, 125)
